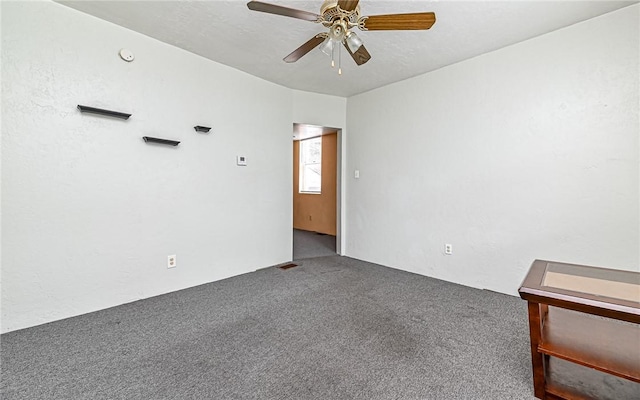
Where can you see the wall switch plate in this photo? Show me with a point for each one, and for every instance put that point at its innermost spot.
(172, 261)
(448, 249)
(356, 174)
(241, 160)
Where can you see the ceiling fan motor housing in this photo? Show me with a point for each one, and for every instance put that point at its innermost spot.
(331, 12)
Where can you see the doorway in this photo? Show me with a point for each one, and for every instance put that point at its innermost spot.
(316, 191)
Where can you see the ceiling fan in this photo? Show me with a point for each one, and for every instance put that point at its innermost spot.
(340, 17)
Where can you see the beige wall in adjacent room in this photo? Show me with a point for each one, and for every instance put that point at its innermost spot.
(317, 212)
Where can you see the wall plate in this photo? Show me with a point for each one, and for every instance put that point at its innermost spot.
(241, 160)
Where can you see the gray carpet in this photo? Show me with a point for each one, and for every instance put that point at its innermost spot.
(331, 328)
(311, 244)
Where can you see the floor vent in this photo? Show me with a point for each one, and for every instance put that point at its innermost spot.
(287, 266)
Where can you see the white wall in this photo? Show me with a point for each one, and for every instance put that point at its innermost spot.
(527, 152)
(89, 211)
(319, 109)
(329, 111)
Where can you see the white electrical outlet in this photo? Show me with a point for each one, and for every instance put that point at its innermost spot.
(241, 160)
(172, 261)
(448, 249)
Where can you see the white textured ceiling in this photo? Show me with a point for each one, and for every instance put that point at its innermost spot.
(229, 33)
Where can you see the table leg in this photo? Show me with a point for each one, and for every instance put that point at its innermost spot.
(535, 334)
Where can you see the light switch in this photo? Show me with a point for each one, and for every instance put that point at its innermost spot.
(356, 174)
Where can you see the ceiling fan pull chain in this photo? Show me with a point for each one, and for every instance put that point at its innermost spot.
(339, 60)
(333, 48)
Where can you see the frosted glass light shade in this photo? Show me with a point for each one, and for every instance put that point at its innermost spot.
(327, 46)
(353, 42)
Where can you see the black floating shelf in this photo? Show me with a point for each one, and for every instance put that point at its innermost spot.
(101, 111)
(150, 139)
(204, 129)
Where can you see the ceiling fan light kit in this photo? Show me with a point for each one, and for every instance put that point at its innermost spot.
(353, 41)
(340, 17)
(327, 47)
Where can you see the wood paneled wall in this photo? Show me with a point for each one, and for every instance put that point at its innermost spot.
(317, 212)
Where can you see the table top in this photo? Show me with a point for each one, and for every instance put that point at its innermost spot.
(601, 291)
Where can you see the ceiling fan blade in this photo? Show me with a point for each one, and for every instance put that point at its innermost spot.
(390, 22)
(304, 49)
(361, 55)
(279, 10)
(348, 5)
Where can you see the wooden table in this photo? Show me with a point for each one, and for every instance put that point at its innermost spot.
(584, 325)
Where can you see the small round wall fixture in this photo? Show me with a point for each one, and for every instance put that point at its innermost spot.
(126, 55)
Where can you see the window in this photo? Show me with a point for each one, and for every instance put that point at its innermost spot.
(310, 165)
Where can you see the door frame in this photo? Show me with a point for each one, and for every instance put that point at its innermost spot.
(339, 177)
